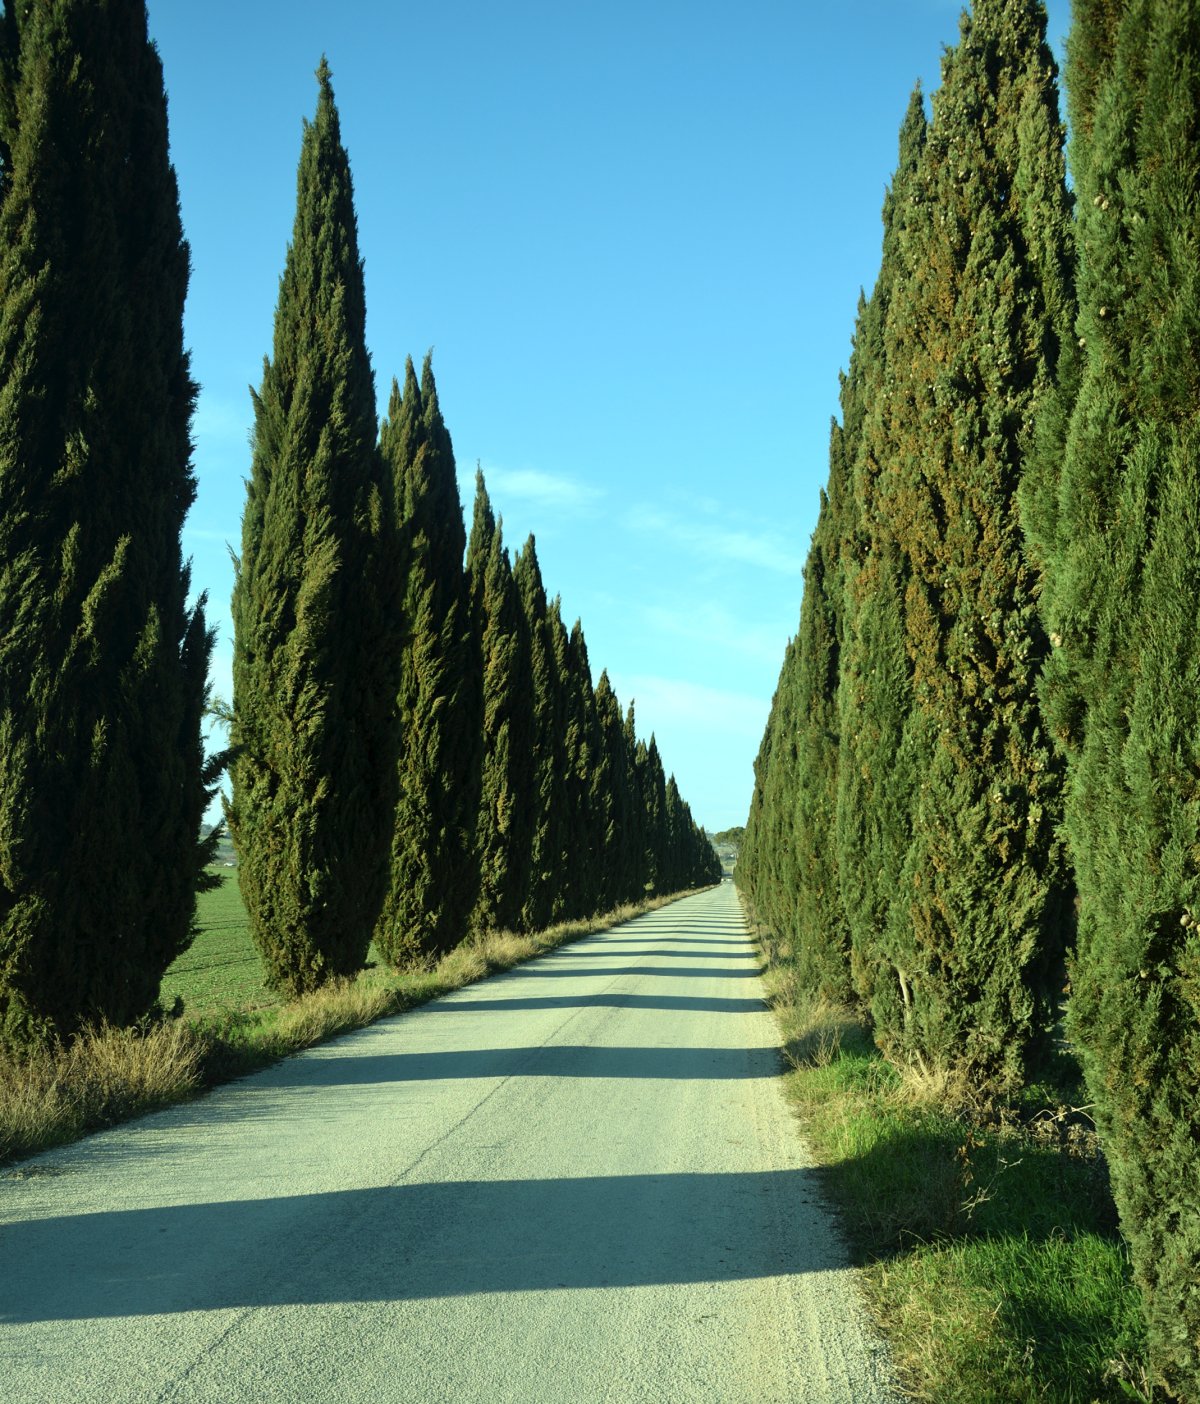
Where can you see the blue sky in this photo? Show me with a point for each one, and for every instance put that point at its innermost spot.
(634, 237)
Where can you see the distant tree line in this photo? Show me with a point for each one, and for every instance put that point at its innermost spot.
(417, 750)
(980, 778)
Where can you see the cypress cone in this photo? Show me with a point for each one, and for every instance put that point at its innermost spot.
(315, 602)
(103, 667)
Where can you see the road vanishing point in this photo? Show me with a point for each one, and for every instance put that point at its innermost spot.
(574, 1183)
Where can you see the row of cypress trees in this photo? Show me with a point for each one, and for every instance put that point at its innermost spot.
(417, 748)
(989, 719)
(362, 706)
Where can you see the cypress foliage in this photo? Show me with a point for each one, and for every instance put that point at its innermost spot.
(875, 772)
(638, 874)
(654, 801)
(103, 666)
(546, 794)
(769, 857)
(756, 850)
(587, 769)
(1123, 685)
(611, 800)
(314, 604)
(820, 937)
(972, 337)
(434, 865)
(503, 825)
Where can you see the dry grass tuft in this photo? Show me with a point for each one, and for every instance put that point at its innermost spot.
(337, 1007)
(54, 1094)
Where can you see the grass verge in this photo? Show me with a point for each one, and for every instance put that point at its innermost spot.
(987, 1236)
(232, 1025)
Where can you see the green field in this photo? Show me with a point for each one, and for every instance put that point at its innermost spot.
(222, 970)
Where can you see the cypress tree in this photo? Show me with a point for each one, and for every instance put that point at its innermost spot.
(654, 801)
(774, 877)
(638, 876)
(875, 773)
(434, 864)
(612, 797)
(755, 849)
(820, 938)
(972, 337)
(545, 795)
(314, 606)
(103, 666)
(589, 779)
(503, 825)
(1123, 685)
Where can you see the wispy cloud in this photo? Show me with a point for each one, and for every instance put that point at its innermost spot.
(218, 421)
(537, 488)
(664, 704)
(713, 624)
(725, 541)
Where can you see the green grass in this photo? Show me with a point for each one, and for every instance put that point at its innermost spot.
(222, 970)
(231, 1024)
(987, 1237)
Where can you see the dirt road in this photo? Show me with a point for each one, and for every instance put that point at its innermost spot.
(576, 1182)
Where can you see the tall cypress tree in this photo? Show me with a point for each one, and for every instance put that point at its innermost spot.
(434, 866)
(770, 867)
(654, 802)
(589, 804)
(314, 605)
(102, 665)
(612, 797)
(820, 937)
(1123, 684)
(638, 875)
(546, 795)
(503, 823)
(876, 780)
(973, 338)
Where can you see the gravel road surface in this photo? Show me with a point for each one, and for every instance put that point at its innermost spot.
(575, 1182)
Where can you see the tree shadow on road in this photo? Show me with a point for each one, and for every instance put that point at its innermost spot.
(415, 1241)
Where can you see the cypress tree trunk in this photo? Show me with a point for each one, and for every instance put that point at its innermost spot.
(1123, 686)
(972, 338)
(434, 864)
(315, 602)
(503, 826)
(103, 667)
